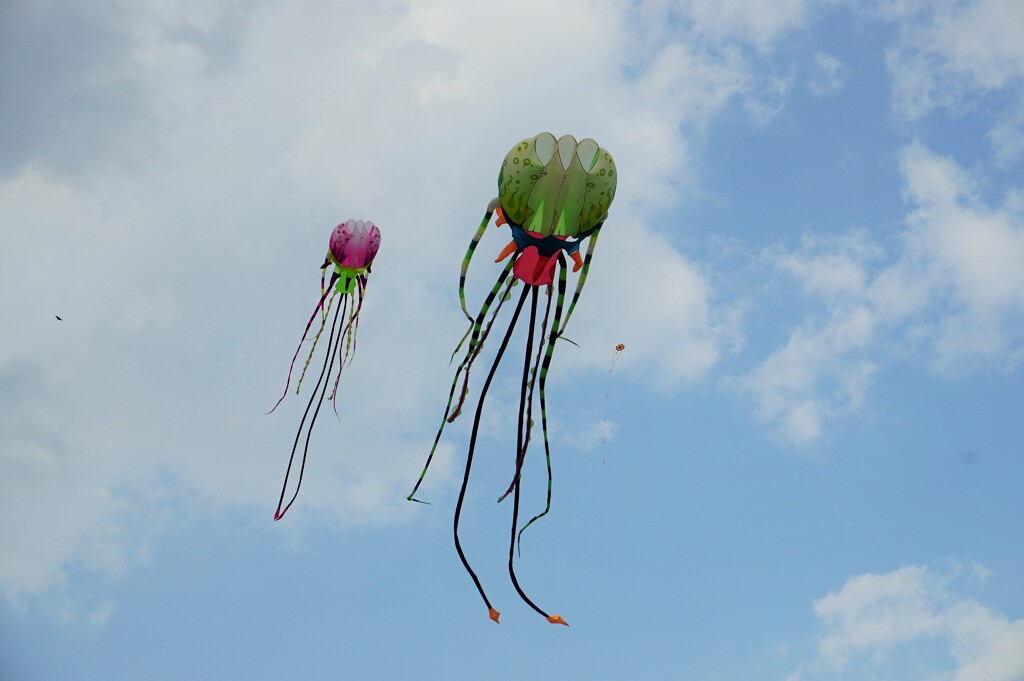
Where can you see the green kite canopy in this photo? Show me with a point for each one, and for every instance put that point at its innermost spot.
(557, 187)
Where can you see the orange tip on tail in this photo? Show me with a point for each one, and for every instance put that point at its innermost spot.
(557, 619)
(494, 615)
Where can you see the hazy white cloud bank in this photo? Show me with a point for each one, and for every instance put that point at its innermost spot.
(946, 287)
(168, 188)
(916, 623)
(951, 55)
(760, 23)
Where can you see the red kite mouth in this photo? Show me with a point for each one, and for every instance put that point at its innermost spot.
(533, 268)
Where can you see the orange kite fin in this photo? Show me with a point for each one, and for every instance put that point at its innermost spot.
(577, 261)
(507, 251)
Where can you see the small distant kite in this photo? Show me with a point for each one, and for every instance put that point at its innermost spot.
(553, 194)
(615, 355)
(58, 318)
(353, 246)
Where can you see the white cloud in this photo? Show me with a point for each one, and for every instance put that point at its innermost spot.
(827, 77)
(951, 292)
(914, 623)
(593, 434)
(1007, 135)
(182, 250)
(760, 22)
(951, 53)
(969, 255)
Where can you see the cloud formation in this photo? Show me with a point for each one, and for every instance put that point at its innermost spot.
(174, 174)
(951, 55)
(915, 623)
(949, 289)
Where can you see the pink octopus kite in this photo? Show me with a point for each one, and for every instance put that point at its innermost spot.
(353, 245)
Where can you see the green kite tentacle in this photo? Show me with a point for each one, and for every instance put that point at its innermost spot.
(302, 340)
(552, 339)
(495, 202)
(583, 277)
(326, 371)
(476, 341)
(475, 345)
(352, 328)
(316, 339)
(323, 289)
(353, 334)
(348, 332)
(529, 400)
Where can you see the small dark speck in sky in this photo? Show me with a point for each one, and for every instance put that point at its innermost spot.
(969, 457)
(58, 318)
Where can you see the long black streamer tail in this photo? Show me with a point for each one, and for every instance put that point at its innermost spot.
(519, 448)
(480, 334)
(529, 397)
(549, 352)
(328, 365)
(472, 448)
(291, 367)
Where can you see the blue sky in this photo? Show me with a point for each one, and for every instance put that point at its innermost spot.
(805, 465)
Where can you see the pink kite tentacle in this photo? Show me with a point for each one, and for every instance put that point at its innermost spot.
(282, 508)
(319, 305)
(323, 274)
(316, 339)
(355, 331)
(354, 317)
(351, 330)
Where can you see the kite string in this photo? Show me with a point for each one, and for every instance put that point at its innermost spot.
(607, 388)
(774, 425)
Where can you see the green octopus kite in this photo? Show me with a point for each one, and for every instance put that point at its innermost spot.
(553, 194)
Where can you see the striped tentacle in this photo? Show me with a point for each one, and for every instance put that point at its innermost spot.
(351, 328)
(472, 448)
(465, 268)
(328, 364)
(552, 339)
(347, 332)
(474, 349)
(582, 279)
(476, 341)
(529, 399)
(323, 275)
(469, 254)
(306, 331)
(324, 312)
(361, 282)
